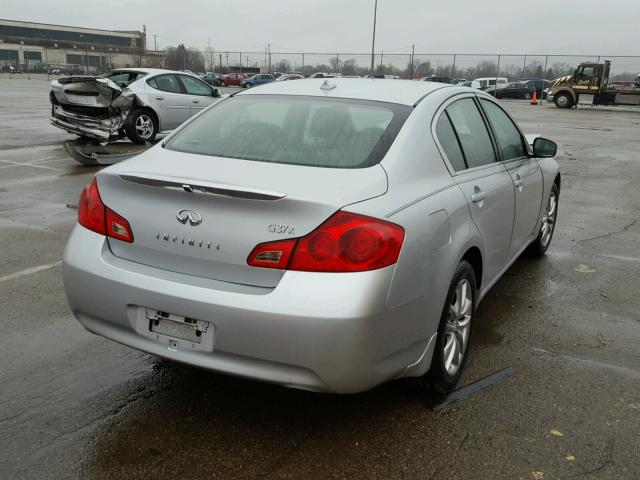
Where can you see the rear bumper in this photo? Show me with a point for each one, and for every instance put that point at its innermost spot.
(86, 126)
(321, 332)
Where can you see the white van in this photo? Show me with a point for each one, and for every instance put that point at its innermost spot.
(485, 82)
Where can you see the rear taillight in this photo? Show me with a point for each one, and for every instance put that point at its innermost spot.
(93, 214)
(346, 242)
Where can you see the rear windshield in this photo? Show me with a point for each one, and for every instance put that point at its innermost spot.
(298, 130)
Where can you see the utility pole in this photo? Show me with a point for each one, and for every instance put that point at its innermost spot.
(155, 43)
(413, 52)
(381, 61)
(210, 55)
(337, 63)
(269, 46)
(373, 41)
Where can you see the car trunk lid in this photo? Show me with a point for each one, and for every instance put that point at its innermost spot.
(203, 215)
(88, 91)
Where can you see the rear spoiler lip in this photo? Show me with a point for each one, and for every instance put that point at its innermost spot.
(196, 186)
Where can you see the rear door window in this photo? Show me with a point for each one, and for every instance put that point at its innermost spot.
(449, 142)
(472, 133)
(165, 83)
(510, 142)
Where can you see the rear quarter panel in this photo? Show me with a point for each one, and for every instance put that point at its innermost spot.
(423, 199)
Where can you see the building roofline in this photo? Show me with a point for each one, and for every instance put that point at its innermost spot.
(136, 33)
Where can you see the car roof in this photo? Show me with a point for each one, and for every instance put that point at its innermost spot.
(405, 92)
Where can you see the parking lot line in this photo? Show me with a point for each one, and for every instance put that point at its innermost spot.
(29, 271)
(18, 164)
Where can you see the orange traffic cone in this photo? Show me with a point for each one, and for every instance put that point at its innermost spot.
(534, 97)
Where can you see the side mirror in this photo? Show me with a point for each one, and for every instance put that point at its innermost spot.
(543, 147)
(215, 92)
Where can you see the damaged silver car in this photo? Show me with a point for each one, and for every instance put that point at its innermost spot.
(137, 103)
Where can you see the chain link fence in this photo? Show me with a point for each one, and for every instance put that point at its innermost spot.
(453, 66)
(417, 65)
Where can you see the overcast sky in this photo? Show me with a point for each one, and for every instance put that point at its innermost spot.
(463, 26)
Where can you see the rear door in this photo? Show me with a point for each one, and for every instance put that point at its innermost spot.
(171, 105)
(525, 174)
(200, 94)
(464, 138)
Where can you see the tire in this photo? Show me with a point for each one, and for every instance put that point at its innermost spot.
(444, 373)
(563, 100)
(222, 84)
(141, 126)
(527, 96)
(540, 245)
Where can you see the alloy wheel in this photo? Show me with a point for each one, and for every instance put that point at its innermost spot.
(144, 126)
(549, 219)
(458, 327)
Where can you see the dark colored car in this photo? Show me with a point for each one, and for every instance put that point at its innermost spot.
(257, 79)
(520, 90)
(212, 79)
(433, 78)
(540, 85)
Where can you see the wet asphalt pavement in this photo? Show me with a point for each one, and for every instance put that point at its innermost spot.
(73, 405)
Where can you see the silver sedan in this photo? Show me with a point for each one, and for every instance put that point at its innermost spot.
(327, 235)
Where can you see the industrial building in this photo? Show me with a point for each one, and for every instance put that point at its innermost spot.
(39, 46)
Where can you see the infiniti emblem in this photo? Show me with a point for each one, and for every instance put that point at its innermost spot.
(191, 216)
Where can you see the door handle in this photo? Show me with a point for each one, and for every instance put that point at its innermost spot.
(518, 181)
(158, 97)
(478, 195)
(195, 101)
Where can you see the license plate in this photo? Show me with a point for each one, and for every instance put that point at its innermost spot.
(176, 326)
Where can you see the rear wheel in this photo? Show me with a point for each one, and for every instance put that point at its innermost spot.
(548, 225)
(141, 127)
(527, 96)
(563, 100)
(454, 333)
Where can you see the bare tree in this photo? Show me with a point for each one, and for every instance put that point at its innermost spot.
(350, 67)
(282, 66)
(184, 58)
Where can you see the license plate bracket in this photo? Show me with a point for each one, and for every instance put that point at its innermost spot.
(176, 326)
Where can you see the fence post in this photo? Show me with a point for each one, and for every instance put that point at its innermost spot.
(544, 75)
